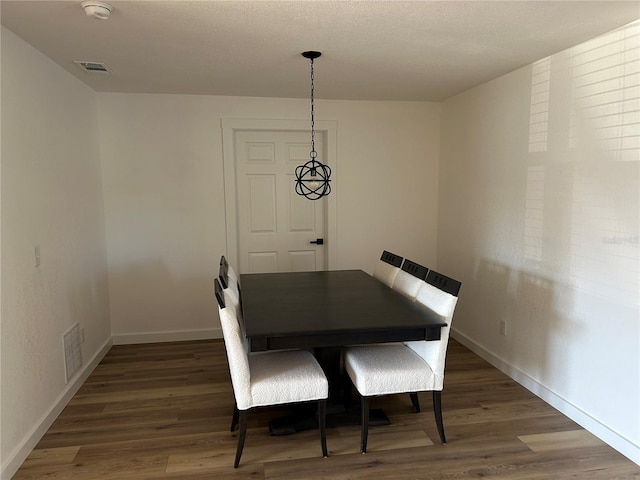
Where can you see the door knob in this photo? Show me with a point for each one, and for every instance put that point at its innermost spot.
(318, 241)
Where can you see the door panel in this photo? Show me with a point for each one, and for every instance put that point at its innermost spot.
(275, 225)
(302, 261)
(262, 203)
(302, 217)
(263, 262)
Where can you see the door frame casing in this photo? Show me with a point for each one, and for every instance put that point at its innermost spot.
(230, 126)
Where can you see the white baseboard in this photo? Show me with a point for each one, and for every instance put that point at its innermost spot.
(600, 430)
(12, 462)
(172, 336)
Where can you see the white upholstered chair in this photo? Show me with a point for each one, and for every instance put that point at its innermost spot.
(387, 268)
(410, 278)
(410, 367)
(270, 378)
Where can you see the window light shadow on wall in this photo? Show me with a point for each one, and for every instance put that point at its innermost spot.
(534, 213)
(605, 92)
(539, 111)
(582, 209)
(538, 132)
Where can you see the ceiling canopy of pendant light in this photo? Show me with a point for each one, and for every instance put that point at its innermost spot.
(96, 9)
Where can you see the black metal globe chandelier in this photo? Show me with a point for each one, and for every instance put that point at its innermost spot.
(312, 178)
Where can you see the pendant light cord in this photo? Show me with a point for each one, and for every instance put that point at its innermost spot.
(313, 154)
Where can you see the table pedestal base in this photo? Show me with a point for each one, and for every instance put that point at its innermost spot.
(339, 411)
(291, 424)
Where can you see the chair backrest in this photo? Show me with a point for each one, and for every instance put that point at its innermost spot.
(237, 353)
(387, 267)
(230, 285)
(232, 274)
(440, 295)
(229, 269)
(217, 288)
(391, 258)
(410, 278)
(444, 283)
(223, 274)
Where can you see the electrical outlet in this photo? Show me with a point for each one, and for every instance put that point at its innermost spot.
(503, 328)
(36, 256)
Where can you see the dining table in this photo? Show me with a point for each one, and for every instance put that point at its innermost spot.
(326, 311)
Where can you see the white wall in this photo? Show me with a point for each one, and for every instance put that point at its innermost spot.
(51, 198)
(164, 197)
(547, 228)
(539, 218)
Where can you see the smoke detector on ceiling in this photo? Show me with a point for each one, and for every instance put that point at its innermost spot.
(96, 9)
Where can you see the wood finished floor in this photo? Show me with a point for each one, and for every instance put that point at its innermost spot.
(162, 411)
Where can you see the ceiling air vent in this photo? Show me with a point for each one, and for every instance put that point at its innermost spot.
(93, 67)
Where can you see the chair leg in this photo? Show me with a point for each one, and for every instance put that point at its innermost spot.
(437, 410)
(415, 401)
(241, 436)
(364, 434)
(322, 424)
(234, 419)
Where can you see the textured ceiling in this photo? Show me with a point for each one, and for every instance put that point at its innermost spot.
(372, 50)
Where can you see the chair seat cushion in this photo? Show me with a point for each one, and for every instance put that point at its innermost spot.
(286, 377)
(387, 369)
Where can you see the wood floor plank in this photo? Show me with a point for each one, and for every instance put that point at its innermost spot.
(47, 457)
(162, 412)
(545, 442)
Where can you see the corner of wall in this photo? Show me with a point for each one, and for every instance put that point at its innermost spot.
(173, 336)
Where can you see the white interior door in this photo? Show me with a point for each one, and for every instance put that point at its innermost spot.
(275, 225)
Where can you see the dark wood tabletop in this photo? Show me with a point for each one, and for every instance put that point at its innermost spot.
(329, 309)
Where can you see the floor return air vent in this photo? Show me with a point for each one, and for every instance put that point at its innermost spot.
(72, 351)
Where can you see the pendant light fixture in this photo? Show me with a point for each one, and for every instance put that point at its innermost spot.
(312, 178)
